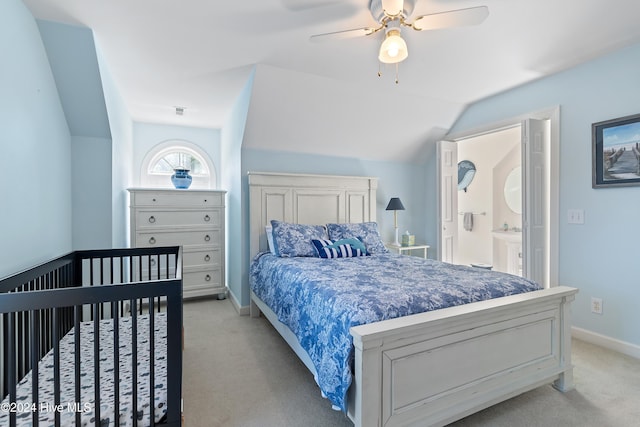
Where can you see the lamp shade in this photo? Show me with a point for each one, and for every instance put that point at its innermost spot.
(393, 48)
(395, 204)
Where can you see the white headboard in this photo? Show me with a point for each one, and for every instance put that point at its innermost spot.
(307, 199)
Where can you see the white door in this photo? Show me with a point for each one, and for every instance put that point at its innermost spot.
(535, 197)
(447, 153)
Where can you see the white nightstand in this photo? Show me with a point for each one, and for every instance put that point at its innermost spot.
(402, 250)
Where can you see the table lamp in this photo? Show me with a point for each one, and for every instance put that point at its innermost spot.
(395, 205)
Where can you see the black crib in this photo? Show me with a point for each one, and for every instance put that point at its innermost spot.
(138, 289)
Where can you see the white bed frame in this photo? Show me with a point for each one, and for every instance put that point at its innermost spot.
(431, 368)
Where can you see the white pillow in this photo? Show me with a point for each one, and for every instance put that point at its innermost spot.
(269, 230)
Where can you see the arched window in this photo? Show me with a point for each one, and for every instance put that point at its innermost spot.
(159, 163)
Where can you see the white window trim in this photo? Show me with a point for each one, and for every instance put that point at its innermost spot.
(156, 180)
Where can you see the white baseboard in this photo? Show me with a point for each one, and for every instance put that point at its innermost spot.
(606, 342)
(242, 310)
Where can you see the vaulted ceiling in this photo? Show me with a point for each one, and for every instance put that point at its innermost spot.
(314, 97)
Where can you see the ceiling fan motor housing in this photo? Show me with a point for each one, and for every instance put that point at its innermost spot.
(375, 6)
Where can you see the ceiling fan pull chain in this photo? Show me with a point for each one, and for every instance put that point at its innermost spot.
(379, 70)
(397, 73)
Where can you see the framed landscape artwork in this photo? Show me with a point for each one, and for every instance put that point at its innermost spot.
(616, 152)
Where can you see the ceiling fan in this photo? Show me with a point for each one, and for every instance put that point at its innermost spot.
(393, 15)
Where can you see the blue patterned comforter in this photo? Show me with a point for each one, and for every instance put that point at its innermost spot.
(321, 299)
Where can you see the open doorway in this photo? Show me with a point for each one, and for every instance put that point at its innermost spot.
(528, 246)
(490, 206)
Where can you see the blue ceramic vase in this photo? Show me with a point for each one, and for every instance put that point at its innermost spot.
(181, 178)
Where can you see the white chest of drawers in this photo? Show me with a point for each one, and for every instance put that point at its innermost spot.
(193, 219)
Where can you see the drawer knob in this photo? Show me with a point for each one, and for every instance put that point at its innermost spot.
(152, 241)
(207, 238)
(207, 258)
(207, 218)
(207, 278)
(152, 219)
(154, 199)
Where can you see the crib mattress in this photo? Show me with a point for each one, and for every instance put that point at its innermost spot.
(46, 408)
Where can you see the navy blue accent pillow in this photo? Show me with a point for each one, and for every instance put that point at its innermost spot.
(326, 248)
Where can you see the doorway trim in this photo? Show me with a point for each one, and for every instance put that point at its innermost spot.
(553, 115)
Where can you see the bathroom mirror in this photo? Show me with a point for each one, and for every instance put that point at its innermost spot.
(513, 190)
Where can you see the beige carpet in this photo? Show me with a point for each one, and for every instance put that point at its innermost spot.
(238, 372)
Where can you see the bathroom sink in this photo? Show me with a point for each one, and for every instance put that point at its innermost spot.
(509, 236)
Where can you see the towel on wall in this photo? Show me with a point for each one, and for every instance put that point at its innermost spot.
(468, 221)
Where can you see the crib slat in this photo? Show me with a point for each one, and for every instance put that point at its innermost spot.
(116, 362)
(96, 362)
(45, 338)
(4, 388)
(21, 346)
(152, 361)
(101, 283)
(11, 360)
(131, 270)
(91, 279)
(56, 364)
(134, 362)
(35, 358)
(111, 275)
(76, 364)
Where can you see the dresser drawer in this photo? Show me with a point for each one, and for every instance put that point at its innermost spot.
(156, 218)
(179, 199)
(209, 277)
(203, 283)
(210, 237)
(210, 257)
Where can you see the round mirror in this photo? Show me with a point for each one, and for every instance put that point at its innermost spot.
(466, 172)
(513, 190)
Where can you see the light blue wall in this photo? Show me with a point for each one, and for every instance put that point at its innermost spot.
(35, 148)
(121, 127)
(91, 187)
(72, 54)
(236, 217)
(601, 256)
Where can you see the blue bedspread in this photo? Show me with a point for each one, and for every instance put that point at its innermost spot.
(321, 299)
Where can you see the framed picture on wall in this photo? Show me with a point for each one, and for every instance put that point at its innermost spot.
(616, 152)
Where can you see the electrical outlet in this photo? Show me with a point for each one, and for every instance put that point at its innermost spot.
(596, 305)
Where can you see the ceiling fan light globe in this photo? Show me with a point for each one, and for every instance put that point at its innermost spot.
(393, 49)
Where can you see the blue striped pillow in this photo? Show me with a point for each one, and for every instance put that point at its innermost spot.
(328, 249)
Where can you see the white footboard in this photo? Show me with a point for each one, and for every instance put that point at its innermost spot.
(437, 367)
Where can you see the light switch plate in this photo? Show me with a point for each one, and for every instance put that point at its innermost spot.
(575, 216)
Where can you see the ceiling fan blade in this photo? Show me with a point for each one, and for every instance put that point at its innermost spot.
(341, 35)
(452, 18)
